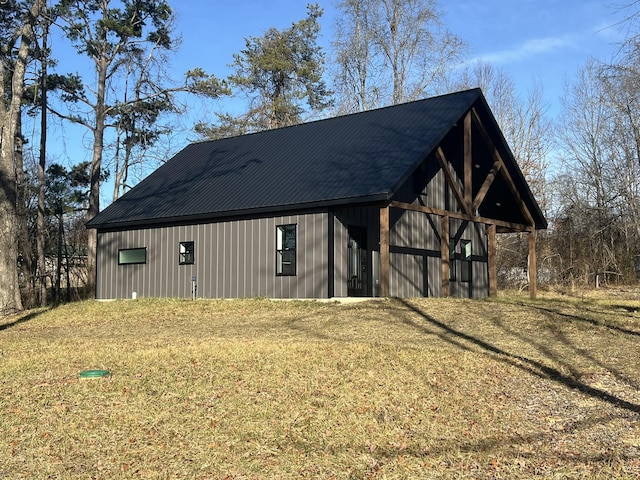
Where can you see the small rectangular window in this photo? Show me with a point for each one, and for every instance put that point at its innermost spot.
(460, 261)
(465, 260)
(186, 254)
(286, 250)
(132, 256)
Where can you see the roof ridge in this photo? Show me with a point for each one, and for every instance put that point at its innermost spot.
(343, 115)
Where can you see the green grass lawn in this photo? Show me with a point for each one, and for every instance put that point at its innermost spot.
(426, 388)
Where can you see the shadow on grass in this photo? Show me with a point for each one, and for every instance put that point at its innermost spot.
(22, 319)
(561, 337)
(447, 446)
(590, 321)
(533, 367)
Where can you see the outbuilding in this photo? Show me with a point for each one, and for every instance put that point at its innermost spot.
(399, 201)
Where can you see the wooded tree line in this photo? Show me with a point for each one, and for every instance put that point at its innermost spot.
(583, 168)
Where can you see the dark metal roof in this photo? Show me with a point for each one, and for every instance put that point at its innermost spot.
(357, 158)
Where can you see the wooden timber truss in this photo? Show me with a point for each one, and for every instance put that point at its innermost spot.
(469, 206)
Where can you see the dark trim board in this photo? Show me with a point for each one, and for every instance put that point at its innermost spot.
(331, 254)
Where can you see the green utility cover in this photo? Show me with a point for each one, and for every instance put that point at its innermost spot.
(94, 373)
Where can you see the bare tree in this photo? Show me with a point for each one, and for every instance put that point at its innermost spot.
(599, 216)
(585, 126)
(138, 114)
(391, 51)
(621, 90)
(354, 54)
(110, 33)
(597, 226)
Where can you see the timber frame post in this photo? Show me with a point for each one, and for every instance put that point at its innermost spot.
(492, 260)
(444, 254)
(532, 265)
(385, 259)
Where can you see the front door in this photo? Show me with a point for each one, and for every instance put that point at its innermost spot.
(357, 262)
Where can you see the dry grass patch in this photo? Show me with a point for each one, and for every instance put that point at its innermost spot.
(429, 388)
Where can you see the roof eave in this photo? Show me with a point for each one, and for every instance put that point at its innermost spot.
(378, 198)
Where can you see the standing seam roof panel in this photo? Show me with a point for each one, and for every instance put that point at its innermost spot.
(355, 157)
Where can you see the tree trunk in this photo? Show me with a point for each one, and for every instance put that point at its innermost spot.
(10, 300)
(96, 169)
(67, 267)
(59, 257)
(25, 252)
(40, 240)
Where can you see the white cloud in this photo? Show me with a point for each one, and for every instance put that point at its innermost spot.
(533, 47)
(611, 33)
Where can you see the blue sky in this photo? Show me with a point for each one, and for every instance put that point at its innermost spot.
(531, 40)
(545, 40)
(542, 40)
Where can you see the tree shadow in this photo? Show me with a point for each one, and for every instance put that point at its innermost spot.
(533, 367)
(590, 321)
(561, 337)
(21, 319)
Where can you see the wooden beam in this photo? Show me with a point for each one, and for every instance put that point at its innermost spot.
(444, 255)
(505, 226)
(533, 277)
(485, 186)
(505, 173)
(492, 263)
(444, 164)
(467, 168)
(385, 259)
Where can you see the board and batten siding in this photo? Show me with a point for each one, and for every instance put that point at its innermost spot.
(233, 259)
(414, 241)
(365, 217)
(478, 287)
(414, 245)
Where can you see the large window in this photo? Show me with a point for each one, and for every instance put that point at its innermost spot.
(286, 250)
(186, 253)
(132, 256)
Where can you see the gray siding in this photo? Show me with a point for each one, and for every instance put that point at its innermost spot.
(368, 217)
(340, 258)
(232, 259)
(476, 233)
(415, 239)
(236, 259)
(415, 255)
(480, 262)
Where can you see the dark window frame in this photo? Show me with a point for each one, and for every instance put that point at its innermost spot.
(286, 254)
(121, 250)
(187, 257)
(466, 262)
(460, 261)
